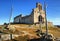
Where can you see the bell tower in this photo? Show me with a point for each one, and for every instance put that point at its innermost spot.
(39, 6)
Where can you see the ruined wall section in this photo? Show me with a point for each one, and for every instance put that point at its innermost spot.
(29, 19)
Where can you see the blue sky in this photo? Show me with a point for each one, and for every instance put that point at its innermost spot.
(25, 7)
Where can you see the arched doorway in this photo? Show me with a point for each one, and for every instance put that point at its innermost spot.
(40, 19)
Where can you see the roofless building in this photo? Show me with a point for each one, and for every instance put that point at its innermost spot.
(36, 16)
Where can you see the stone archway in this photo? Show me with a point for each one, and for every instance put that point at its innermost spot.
(40, 19)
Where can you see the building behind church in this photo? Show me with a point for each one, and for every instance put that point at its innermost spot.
(36, 16)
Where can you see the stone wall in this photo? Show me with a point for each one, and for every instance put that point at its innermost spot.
(26, 19)
(37, 14)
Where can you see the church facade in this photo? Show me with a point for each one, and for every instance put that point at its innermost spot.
(37, 16)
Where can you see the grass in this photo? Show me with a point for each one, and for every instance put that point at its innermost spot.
(53, 30)
(20, 28)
